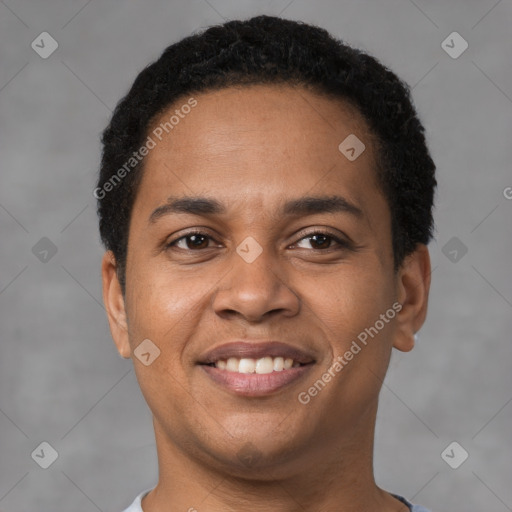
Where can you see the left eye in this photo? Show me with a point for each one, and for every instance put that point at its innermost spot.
(323, 240)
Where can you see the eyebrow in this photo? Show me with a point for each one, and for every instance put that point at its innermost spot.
(308, 205)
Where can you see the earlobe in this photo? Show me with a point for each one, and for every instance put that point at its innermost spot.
(413, 284)
(114, 304)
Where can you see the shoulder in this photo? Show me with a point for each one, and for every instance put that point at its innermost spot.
(136, 506)
(414, 508)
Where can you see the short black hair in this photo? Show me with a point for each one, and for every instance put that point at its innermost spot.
(272, 50)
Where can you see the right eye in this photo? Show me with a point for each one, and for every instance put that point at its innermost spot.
(191, 241)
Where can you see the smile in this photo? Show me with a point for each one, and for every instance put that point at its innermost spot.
(260, 366)
(256, 369)
(255, 384)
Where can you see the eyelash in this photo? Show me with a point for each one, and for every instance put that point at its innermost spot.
(343, 244)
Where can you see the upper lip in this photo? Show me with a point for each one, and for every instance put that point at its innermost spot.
(256, 350)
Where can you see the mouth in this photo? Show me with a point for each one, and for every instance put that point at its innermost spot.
(261, 366)
(256, 369)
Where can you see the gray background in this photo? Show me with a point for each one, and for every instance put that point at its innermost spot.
(61, 379)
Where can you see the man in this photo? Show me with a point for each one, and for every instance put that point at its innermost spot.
(265, 198)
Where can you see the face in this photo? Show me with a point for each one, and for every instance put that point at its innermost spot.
(291, 243)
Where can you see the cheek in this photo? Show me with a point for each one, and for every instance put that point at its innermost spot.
(159, 308)
(351, 302)
(164, 312)
(166, 305)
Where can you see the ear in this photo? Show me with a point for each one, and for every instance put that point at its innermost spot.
(114, 302)
(413, 283)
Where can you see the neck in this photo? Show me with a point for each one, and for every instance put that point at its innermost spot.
(338, 477)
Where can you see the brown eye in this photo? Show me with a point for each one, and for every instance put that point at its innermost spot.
(320, 241)
(197, 241)
(323, 241)
(192, 241)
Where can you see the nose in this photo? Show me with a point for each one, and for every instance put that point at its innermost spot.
(256, 289)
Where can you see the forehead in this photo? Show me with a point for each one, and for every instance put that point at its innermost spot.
(256, 143)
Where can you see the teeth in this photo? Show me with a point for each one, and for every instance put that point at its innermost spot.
(260, 366)
(278, 364)
(232, 364)
(264, 365)
(246, 366)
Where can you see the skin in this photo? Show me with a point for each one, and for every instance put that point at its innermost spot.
(252, 148)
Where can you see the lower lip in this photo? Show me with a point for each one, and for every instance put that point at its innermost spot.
(254, 384)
